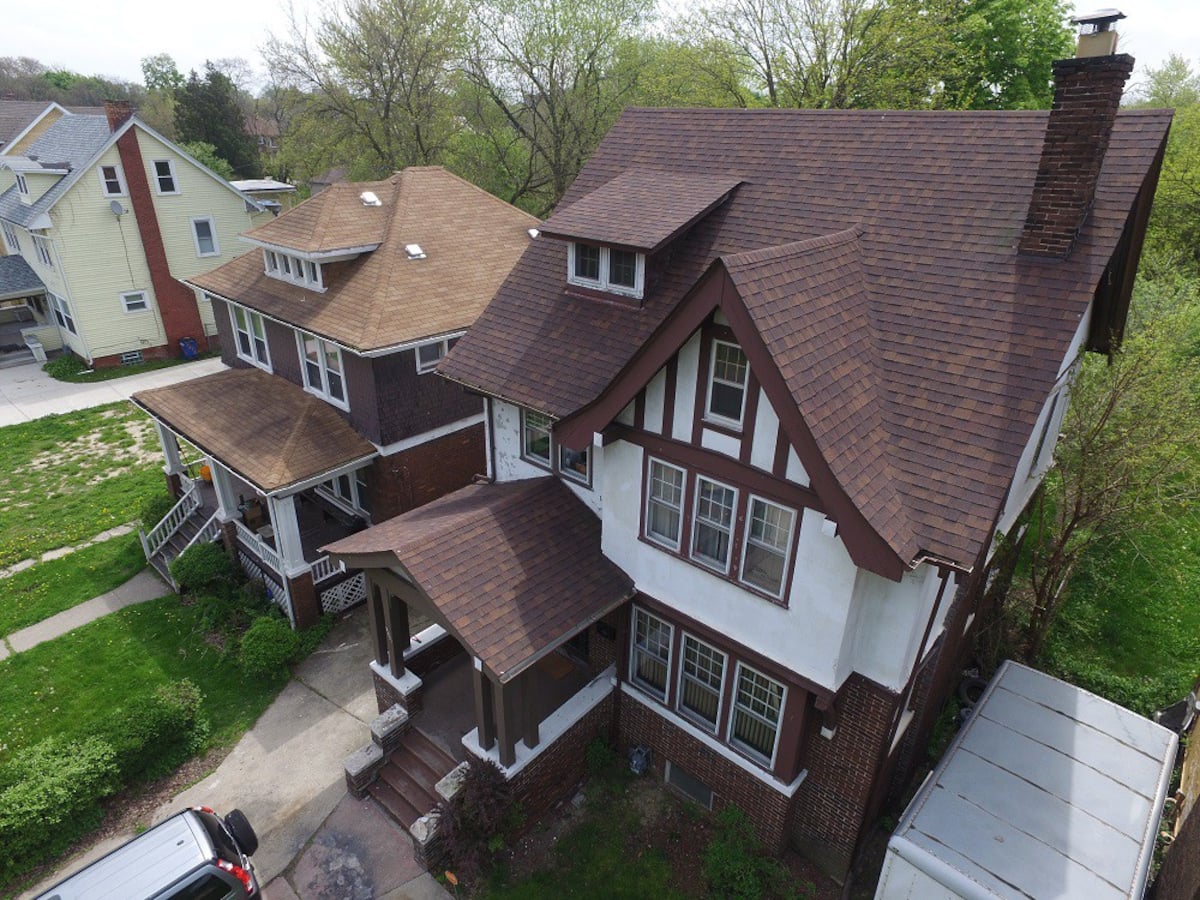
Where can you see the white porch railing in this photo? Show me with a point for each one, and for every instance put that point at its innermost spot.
(326, 568)
(209, 531)
(259, 547)
(171, 522)
(190, 473)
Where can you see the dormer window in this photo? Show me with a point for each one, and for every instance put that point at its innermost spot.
(293, 269)
(22, 185)
(606, 269)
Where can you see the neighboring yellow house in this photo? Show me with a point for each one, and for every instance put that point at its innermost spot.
(109, 214)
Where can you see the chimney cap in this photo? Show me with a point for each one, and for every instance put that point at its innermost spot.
(1100, 20)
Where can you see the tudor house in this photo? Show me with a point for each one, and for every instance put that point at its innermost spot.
(330, 416)
(107, 214)
(760, 396)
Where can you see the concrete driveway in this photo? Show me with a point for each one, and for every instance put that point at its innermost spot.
(27, 393)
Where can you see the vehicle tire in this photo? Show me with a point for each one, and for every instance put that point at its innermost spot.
(239, 827)
(970, 690)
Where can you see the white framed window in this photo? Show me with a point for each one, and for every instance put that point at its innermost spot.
(757, 710)
(727, 373)
(62, 312)
(362, 490)
(22, 185)
(270, 262)
(429, 355)
(251, 337)
(135, 301)
(535, 437)
(10, 238)
(664, 503)
(41, 246)
(712, 525)
(294, 269)
(164, 176)
(606, 268)
(112, 181)
(312, 273)
(576, 464)
(650, 653)
(321, 362)
(701, 682)
(768, 545)
(204, 232)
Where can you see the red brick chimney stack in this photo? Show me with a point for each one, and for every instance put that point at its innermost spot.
(118, 112)
(1087, 92)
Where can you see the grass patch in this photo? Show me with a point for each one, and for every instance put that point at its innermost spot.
(73, 369)
(1130, 629)
(66, 478)
(42, 590)
(70, 686)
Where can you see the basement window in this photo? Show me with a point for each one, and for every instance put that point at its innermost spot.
(689, 785)
(132, 358)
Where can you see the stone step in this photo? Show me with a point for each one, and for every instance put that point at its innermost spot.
(395, 804)
(405, 786)
(431, 757)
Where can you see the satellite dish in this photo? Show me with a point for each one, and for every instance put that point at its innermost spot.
(117, 209)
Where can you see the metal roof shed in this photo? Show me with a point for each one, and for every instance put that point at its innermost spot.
(1047, 791)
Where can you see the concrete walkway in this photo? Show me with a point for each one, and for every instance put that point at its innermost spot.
(145, 585)
(27, 393)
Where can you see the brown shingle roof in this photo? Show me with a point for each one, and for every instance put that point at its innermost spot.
(640, 208)
(514, 568)
(335, 219)
(968, 335)
(268, 430)
(383, 298)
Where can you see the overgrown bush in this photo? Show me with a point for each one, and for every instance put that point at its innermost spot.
(155, 508)
(737, 868)
(310, 638)
(158, 733)
(479, 819)
(51, 797)
(66, 367)
(268, 645)
(205, 569)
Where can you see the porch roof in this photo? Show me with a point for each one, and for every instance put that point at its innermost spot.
(269, 431)
(515, 569)
(17, 279)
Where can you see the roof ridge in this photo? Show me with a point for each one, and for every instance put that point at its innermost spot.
(792, 248)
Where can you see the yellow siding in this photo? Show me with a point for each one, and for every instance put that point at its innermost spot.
(17, 148)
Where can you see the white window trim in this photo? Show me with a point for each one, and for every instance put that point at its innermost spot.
(424, 368)
(714, 727)
(602, 283)
(749, 752)
(696, 521)
(717, 418)
(126, 295)
(212, 229)
(351, 505)
(116, 167)
(252, 358)
(322, 390)
(41, 246)
(62, 313)
(647, 689)
(10, 238)
(787, 552)
(158, 184)
(534, 460)
(270, 263)
(649, 535)
(297, 270)
(22, 184)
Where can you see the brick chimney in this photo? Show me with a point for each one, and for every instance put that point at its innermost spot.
(118, 112)
(1087, 92)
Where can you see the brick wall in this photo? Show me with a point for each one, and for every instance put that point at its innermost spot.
(553, 775)
(767, 808)
(1087, 93)
(1179, 877)
(162, 351)
(832, 802)
(413, 477)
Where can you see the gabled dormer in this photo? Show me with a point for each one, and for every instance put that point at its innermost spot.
(34, 177)
(613, 231)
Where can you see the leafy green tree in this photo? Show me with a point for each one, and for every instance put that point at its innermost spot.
(206, 109)
(206, 154)
(160, 74)
(1171, 85)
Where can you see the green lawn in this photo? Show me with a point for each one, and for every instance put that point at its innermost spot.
(66, 478)
(42, 590)
(73, 684)
(1130, 629)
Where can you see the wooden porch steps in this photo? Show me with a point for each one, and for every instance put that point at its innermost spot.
(405, 787)
(175, 543)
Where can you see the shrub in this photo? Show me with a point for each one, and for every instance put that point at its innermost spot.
(268, 645)
(479, 818)
(737, 868)
(154, 508)
(67, 367)
(155, 735)
(51, 799)
(310, 638)
(600, 757)
(205, 569)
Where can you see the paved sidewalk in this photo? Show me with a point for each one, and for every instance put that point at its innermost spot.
(27, 393)
(145, 585)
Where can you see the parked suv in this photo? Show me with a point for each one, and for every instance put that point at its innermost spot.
(194, 855)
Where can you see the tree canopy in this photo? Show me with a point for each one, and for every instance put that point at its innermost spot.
(207, 110)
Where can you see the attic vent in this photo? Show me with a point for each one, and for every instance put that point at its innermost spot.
(369, 198)
(414, 251)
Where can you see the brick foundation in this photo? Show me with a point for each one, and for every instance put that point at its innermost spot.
(767, 808)
(162, 351)
(306, 604)
(386, 694)
(414, 477)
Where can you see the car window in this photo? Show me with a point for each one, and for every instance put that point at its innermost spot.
(210, 887)
(219, 837)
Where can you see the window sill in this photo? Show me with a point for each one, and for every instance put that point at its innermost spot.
(726, 427)
(332, 401)
(534, 461)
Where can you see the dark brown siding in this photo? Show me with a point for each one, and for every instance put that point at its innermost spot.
(409, 403)
(360, 390)
(413, 477)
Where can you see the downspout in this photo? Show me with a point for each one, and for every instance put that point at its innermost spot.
(912, 681)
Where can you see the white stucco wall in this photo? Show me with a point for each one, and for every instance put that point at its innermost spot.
(506, 436)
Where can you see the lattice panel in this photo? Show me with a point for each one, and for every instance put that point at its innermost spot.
(345, 594)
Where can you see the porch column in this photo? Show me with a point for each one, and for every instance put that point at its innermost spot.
(378, 623)
(170, 449)
(287, 534)
(506, 731)
(485, 707)
(223, 487)
(396, 611)
(529, 712)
